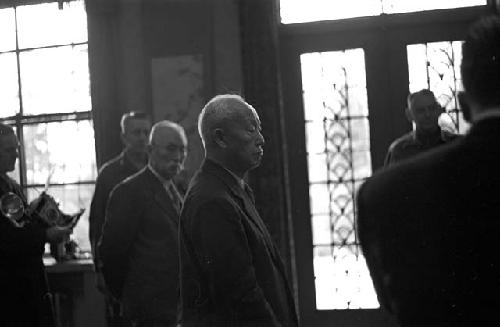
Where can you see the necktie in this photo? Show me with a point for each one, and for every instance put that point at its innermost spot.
(249, 192)
(174, 196)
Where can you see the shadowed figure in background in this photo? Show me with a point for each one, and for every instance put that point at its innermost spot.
(139, 243)
(429, 228)
(135, 127)
(231, 271)
(424, 112)
(25, 297)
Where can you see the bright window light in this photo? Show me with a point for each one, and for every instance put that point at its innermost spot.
(301, 11)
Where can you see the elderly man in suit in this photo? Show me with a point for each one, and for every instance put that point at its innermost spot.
(139, 244)
(430, 227)
(231, 272)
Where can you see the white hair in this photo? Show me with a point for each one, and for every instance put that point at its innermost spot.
(217, 111)
(162, 125)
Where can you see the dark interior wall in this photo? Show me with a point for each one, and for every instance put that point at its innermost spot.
(126, 36)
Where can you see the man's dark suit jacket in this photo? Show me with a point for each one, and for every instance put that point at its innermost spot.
(110, 174)
(231, 271)
(139, 248)
(22, 276)
(430, 228)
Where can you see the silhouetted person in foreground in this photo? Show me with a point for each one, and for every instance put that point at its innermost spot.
(430, 227)
(231, 271)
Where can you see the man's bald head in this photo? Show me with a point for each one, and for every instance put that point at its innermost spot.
(218, 113)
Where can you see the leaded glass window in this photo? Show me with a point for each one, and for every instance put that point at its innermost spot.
(436, 66)
(338, 153)
(300, 11)
(45, 95)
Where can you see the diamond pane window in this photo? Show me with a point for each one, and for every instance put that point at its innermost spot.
(436, 66)
(45, 94)
(300, 11)
(338, 150)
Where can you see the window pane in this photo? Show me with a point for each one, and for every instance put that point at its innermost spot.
(338, 146)
(55, 80)
(71, 199)
(63, 151)
(436, 66)
(45, 24)
(340, 279)
(8, 30)
(9, 91)
(300, 11)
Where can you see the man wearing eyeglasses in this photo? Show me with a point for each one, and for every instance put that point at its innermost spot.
(423, 111)
(23, 285)
(138, 247)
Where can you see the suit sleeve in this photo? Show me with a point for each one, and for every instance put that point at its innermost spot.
(389, 156)
(97, 213)
(371, 244)
(118, 234)
(224, 252)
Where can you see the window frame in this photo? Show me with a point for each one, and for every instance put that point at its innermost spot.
(20, 120)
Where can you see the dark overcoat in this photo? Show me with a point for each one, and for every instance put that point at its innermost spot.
(430, 227)
(139, 248)
(23, 284)
(231, 271)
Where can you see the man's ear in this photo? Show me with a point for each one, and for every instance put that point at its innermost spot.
(409, 114)
(219, 137)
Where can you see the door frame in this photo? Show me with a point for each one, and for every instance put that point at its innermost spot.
(383, 39)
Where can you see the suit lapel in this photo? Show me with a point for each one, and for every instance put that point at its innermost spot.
(160, 196)
(248, 206)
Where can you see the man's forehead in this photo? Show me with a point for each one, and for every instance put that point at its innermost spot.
(168, 135)
(139, 123)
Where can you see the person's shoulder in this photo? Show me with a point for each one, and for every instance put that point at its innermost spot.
(416, 170)
(111, 164)
(135, 181)
(204, 185)
(402, 141)
(205, 189)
